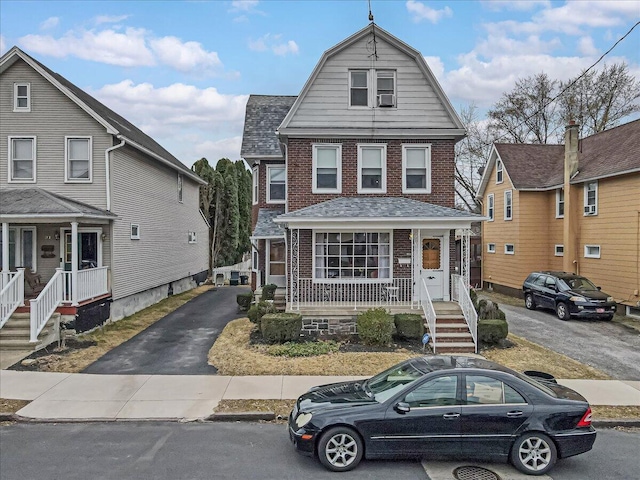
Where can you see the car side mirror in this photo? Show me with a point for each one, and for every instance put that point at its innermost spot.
(402, 407)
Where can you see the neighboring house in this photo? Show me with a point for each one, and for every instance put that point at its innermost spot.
(105, 217)
(574, 208)
(353, 183)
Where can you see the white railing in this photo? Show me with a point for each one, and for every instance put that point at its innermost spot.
(396, 293)
(11, 294)
(43, 307)
(429, 312)
(92, 282)
(460, 294)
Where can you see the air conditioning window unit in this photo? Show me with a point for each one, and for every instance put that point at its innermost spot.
(590, 210)
(386, 100)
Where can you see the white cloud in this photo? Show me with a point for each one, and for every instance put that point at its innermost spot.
(49, 23)
(133, 47)
(243, 5)
(419, 11)
(587, 47)
(3, 45)
(498, 5)
(275, 44)
(100, 19)
(436, 66)
(498, 42)
(215, 150)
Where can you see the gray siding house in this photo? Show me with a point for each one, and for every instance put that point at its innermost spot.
(98, 220)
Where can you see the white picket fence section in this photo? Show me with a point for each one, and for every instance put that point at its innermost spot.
(460, 294)
(429, 312)
(396, 293)
(243, 267)
(46, 303)
(11, 294)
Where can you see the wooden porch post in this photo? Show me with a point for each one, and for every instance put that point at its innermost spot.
(5, 254)
(74, 263)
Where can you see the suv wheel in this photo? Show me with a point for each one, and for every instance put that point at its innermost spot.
(528, 302)
(563, 311)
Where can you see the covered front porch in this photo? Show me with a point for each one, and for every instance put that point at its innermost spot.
(54, 252)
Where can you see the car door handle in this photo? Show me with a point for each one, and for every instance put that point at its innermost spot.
(514, 414)
(450, 416)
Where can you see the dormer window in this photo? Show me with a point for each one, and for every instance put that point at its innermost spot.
(21, 97)
(359, 90)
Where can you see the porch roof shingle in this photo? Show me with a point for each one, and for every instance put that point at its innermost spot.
(42, 203)
(265, 227)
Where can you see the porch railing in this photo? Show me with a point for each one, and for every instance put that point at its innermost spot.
(11, 294)
(46, 303)
(429, 312)
(397, 293)
(91, 283)
(460, 294)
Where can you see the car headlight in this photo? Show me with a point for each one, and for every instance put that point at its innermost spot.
(609, 299)
(303, 419)
(577, 299)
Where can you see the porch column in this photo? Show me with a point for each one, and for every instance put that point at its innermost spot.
(465, 252)
(74, 263)
(5, 254)
(295, 267)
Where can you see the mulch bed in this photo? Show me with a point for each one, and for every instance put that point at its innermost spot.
(37, 361)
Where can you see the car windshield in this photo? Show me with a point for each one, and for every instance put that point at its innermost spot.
(386, 384)
(576, 283)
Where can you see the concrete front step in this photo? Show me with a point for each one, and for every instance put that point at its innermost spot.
(16, 333)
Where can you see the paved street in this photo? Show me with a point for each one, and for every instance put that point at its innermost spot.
(179, 343)
(607, 346)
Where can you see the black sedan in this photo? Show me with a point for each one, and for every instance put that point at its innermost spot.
(441, 406)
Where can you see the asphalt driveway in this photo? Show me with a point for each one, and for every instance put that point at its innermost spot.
(177, 344)
(608, 346)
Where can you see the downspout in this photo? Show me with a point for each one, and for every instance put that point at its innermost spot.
(107, 171)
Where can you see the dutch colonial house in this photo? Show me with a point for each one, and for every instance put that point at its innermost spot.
(572, 208)
(353, 188)
(98, 220)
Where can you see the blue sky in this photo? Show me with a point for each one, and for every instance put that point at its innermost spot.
(182, 70)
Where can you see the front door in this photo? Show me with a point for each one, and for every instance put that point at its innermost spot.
(89, 254)
(432, 271)
(276, 265)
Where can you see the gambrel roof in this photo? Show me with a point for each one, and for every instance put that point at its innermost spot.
(114, 124)
(263, 115)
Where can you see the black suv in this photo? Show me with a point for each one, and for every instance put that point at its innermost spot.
(570, 295)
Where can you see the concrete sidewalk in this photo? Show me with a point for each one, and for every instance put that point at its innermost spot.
(64, 396)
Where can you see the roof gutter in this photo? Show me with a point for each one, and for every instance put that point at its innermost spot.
(107, 169)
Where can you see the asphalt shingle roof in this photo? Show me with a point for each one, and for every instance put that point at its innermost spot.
(36, 201)
(532, 166)
(374, 207)
(265, 227)
(263, 116)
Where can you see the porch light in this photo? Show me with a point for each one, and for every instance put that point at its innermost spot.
(103, 236)
(56, 236)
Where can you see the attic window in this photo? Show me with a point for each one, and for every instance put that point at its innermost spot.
(499, 169)
(21, 97)
(359, 89)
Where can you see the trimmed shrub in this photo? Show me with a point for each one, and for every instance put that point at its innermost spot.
(375, 327)
(303, 349)
(281, 327)
(409, 325)
(492, 331)
(244, 300)
(269, 291)
(489, 310)
(258, 310)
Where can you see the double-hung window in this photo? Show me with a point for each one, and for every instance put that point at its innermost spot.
(386, 88)
(349, 255)
(416, 168)
(255, 178)
(372, 168)
(277, 184)
(490, 206)
(21, 97)
(359, 88)
(78, 159)
(499, 171)
(560, 203)
(327, 168)
(591, 198)
(508, 205)
(22, 159)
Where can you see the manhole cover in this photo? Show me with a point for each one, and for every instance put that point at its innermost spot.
(474, 473)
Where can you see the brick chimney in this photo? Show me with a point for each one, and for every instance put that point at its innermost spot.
(571, 200)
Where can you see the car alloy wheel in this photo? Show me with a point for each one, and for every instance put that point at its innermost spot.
(563, 311)
(534, 454)
(528, 302)
(340, 449)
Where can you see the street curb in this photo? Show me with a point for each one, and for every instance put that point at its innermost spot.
(241, 416)
(623, 422)
(7, 417)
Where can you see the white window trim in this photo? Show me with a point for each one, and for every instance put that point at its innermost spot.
(427, 148)
(15, 97)
(369, 88)
(590, 255)
(255, 259)
(510, 194)
(395, 86)
(506, 250)
(314, 180)
(255, 188)
(18, 254)
(10, 178)
(559, 250)
(586, 198)
(383, 180)
(66, 159)
(135, 236)
(558, 192)
(491, 248)
(180, 188)
(269, 168)
(499, 168)
(491, 207)
(192, 237)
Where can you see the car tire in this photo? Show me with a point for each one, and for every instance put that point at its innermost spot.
(529, 302)
(534, 453)
(340, 449)
(562, 310)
